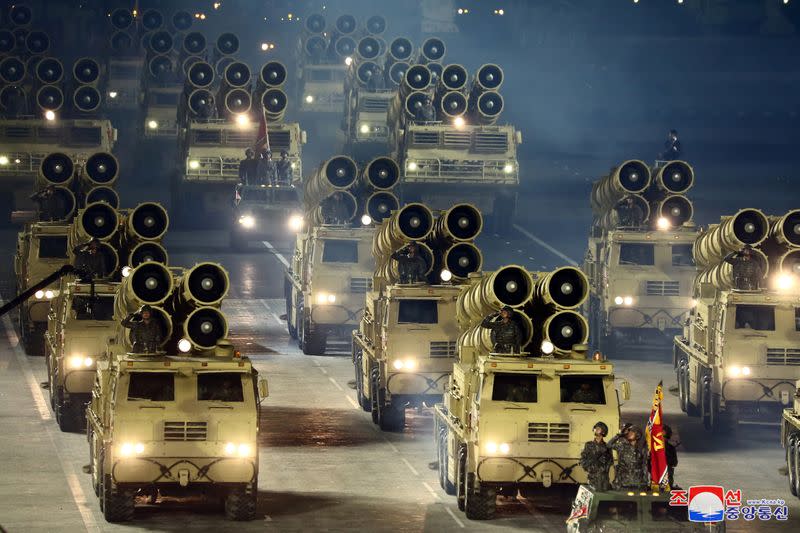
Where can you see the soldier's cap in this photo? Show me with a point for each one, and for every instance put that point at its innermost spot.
(747, 247)
(603, 427)
(144, 308)
(284, 152)
(507, 308)
(249, 151)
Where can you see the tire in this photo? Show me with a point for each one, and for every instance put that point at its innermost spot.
(290, 311)
(117, 504)
(683, 391)
(94, 470)
(461, 482)
(240, 503)
(70, 420)
(448, 486)
(33, 341)
(691, 409)
(363, 399)
(391, 418)
(797, 466)
(312, 342)
(373, 396)
(791, 462)
(480, 504)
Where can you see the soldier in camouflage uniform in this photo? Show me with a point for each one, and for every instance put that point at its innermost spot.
(90, 262)
(629, 214)
(585, 394)
(146, 334)
(596, 458)
(410, 264)
(506, 335)
(632, 459)
(334, 210)
(747, 272)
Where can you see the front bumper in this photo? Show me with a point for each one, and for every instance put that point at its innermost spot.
(79, 381)
(769, 393)
(416, 387)
(512, 470)
(144, 470)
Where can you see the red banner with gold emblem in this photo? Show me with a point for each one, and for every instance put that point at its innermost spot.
(656, 442)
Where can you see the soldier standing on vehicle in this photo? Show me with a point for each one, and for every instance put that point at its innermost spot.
(596, 458)
(506, 335)
(747, 272)
(284, 169)
(248, 168)
(89, 261)
(267, 171)
(629, 214)
(672, 147)
(426, 112)
(632, 459)
(334, 210)
(376, 81)
(146, 334)
(47, 202)
(410, 264)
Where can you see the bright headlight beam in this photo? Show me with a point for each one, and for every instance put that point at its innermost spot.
(152, 124)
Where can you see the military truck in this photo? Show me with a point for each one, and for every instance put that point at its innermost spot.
(737, 358)
(330, 272)
(263, 212)
(513, 421)
(160, 120)
(462, 156)
(80, 325)
(404, 347)
(790, 439)
(642, 271)
(183, 420)
(24, 144)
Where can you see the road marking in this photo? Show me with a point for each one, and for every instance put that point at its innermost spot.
(78, 496)
(271, 312)
(433, 492)
(323, 370)
(410, 467)
(335, 384)
(454, 517)
(390, 443)
(544, 245)
(352, 402)
(274, 252)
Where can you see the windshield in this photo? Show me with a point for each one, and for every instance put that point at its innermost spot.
(663, 511)
(338, 251)
(611, 510)
(164, 99)
(52, 247)
(417, 312)
(757, 317)
(97, 308)
(582, 389)
(153, 386)
(682, 255)
(797, 318)
(520, 388)
(632, 253)
(221, 387)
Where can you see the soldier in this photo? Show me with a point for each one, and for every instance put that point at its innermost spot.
(426, 112)
(267, 171)
(207, 109)
(506, 335)
(334, 210)
(672, 147)
(523, 392)
(89, 261)
(585, 394)
(48, 203)
(410, 264)
(248, 168)
(596, 458)
(629, 214)
(632, 459)
(747, 272)
(146, 334)
(376, 81)
(16, 104)
(671, 451)
(284, 169)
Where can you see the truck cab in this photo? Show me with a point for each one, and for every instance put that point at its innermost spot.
(641, 286)
(321, 87)
(124, 83)
(365, 121)
(330, 272)
(263, 211)
(404, 349)
(80, 325)
(41, 250)
(175, 424)
(160, 118)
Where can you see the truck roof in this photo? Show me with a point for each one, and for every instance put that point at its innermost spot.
(493, 363)
(178, 362)
(339, 232)
(683, 235)
(421, 291)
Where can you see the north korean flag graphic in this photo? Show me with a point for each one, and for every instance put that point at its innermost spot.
(706, 503)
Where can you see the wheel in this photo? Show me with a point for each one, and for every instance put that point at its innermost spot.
(683, 391)
(791, 462)
(363, 399)
(373, 395)
(117, 503)
(480, 504)
(71, 417)
(797, 466)
(461, 474)
(290, 314)
(713, 419)
(313, 342)
(240, 503)
(691, 409)
(448, 486)
(95, 465)
(391, 417)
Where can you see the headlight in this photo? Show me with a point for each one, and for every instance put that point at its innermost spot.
(547, 347)
(79, 361)
(39, 295)
(348, 61)
(663, 223)
(49, 115)
(49, 294)
(242, 119)
(153, 125)
(126, 271)
(509, 168)
(784, 282)
(405, 364)
(295, 222)
(412, 166)
(492, 448)
(326, 298)
(366, 220)
(445, 275)
(194, 164)
(130, 449)
(628, 300)
(364, 128)
(248, 221)
(309, 99)
(3, 160)
(458, 122)
(184, 345)
(738, 371)
(242, 449)
(112, 94)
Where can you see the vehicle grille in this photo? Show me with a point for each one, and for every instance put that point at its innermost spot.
(662, 288)
(185, 431)
(453, 139)
(443, 348)
(548, 432)
(117, 71)
(491, 142)
(84, 136)
(424, 137)
(783, 356)
(373, 105)
(360, 284)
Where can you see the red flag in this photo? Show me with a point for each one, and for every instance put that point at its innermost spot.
(656, 443)
(262, 138)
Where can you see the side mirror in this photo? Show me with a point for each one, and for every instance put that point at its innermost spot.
(263, 388)
(625, 388)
